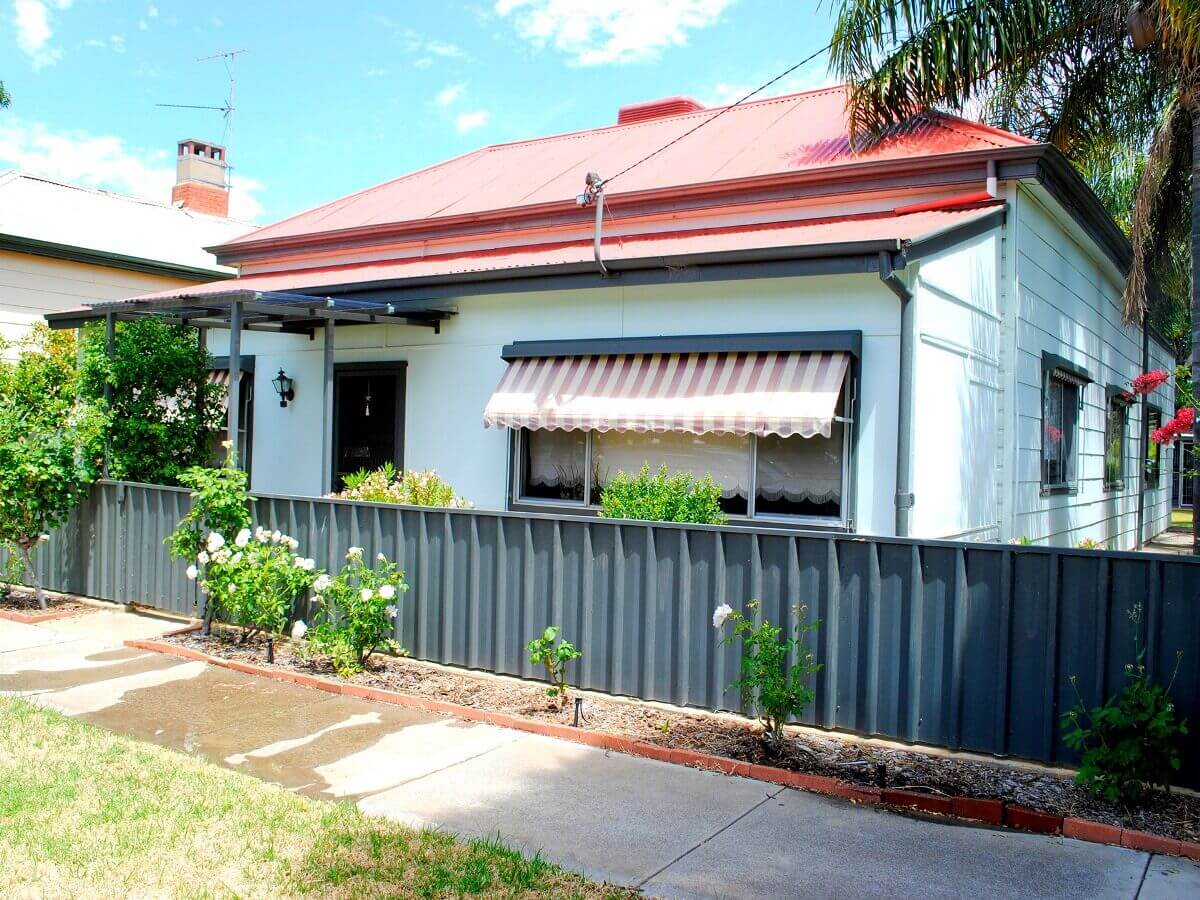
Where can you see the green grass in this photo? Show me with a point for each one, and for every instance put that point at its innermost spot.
(1181, 518)
(84, 812)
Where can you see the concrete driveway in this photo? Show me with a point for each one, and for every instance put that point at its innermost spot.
(672, 831)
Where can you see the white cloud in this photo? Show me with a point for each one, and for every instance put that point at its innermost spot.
(449, 94)
(423, 63)
(598, 32)
(105, 161)
(443, 48)
(807, 79)
(415, 43)
(33, 23)
(469, 121)
(374, 71)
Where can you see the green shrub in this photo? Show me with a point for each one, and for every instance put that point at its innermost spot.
(163, 408)
(1131, 742)
(357, 612)
(770, 688)
(409, 488)
(220, 503)
(554, 657)
(663, 498)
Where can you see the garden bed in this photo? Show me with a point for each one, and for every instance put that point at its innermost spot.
(20, 605)
(868, 763)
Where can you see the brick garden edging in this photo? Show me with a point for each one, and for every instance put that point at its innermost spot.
(971, 809)
(13, 615)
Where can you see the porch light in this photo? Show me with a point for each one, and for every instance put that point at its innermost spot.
(285, 387)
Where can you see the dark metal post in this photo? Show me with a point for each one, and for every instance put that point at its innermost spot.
(327, 412)
(1193, 464)
(1143, 441)
(235, 371)
(110, 348)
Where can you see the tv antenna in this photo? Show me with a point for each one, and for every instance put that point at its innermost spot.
(229, 57)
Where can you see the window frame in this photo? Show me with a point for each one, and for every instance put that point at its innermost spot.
(843, 522)
(1116, 399)
(1056, 368)
(1152, 477)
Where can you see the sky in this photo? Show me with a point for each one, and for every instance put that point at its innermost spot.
(333, 98)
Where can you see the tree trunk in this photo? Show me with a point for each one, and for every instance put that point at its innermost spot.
(31, 570)
(1193, 464)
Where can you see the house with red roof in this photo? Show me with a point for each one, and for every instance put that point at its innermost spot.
(921, 338)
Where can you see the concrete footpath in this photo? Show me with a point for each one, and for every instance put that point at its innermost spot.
(671, 831)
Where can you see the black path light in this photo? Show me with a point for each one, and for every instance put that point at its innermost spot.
(285, 387)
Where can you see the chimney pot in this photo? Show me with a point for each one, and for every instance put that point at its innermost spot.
(201, 178)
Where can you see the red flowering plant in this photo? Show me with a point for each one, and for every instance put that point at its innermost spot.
(1053, 434)
(1184, 421)
(1148, 381)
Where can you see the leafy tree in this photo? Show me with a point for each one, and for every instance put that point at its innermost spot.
(1083, 75)
(5, 97)
(163, 406)
(45, 436)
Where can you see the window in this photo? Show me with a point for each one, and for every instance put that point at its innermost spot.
(769, 477)
(1060, 417)
(1114, 440)
(1153, 450)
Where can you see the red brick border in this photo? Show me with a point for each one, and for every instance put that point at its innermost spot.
(993, 812)
(12, 615)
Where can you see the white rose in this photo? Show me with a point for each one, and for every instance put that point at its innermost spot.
(215, 541)
(275, 537)
(298, 562)
(43, 538)
(309, 564)
(292, 543)
(202, 557)
(192, 572)
(379, 557)
(299, 630)
(366, 593)
(261, 533)
(233, 588)
(391, 611)
(721, 613)
(243, 538)
(323, 581)
(387, 592)
(236, 558)
(354, 553)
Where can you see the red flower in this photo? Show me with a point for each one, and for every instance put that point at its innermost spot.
(1053, 433)
(1148, 381)
(1186, 418)
(1184, 421)
(1162, 435)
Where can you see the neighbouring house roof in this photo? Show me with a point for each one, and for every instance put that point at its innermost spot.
(46, 217)
(830, 236)
(781, 136)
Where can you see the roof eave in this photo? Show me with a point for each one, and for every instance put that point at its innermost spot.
(34, 247)
(849, 178)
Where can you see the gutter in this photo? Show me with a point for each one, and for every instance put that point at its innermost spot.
(904, 406)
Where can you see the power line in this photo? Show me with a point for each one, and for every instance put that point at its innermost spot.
(717, 115)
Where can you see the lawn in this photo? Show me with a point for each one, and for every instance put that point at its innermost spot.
(84, 812)
(1181, 518)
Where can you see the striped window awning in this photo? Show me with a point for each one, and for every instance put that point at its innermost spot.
(762, 393)
(221, 377)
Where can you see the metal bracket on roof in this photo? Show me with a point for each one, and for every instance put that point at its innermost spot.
(593, 193)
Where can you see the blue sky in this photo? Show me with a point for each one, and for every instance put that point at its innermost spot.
(336, 97)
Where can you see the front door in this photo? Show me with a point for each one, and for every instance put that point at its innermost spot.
(368, 418)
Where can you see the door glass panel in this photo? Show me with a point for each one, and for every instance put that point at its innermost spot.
(366, 423)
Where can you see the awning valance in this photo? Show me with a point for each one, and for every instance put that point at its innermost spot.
(783, 393)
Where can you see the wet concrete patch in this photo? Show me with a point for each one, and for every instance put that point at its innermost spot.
(291, 745)
(86, 671)
(176, 714)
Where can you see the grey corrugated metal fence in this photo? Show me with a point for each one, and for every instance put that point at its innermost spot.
(954, 644)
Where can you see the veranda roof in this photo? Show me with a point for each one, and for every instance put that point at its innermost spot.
(783, 393)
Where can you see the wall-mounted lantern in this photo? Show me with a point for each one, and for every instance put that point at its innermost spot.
(285, 387)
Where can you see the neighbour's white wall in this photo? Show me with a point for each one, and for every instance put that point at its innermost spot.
(31, 286)
(957, 386)
(452, 375)
(1067, 301)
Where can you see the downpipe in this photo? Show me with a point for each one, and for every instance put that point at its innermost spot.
(904, 404)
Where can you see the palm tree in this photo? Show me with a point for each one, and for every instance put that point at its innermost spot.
(5, 99)
(1087, 76)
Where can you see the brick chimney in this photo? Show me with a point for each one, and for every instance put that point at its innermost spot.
(200, 178)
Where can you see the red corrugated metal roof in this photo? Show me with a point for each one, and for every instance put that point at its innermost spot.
(855, 229)
(793, 134)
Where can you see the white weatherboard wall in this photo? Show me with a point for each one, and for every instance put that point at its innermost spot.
(31, 286)
(1067, 301)
(452, 375)
(957, 386)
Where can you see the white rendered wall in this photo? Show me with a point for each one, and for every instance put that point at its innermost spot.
(956, 416)
(452, 375)
(1067, 301)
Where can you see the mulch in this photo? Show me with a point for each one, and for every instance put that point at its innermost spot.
(806, 750)
(21, 600)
